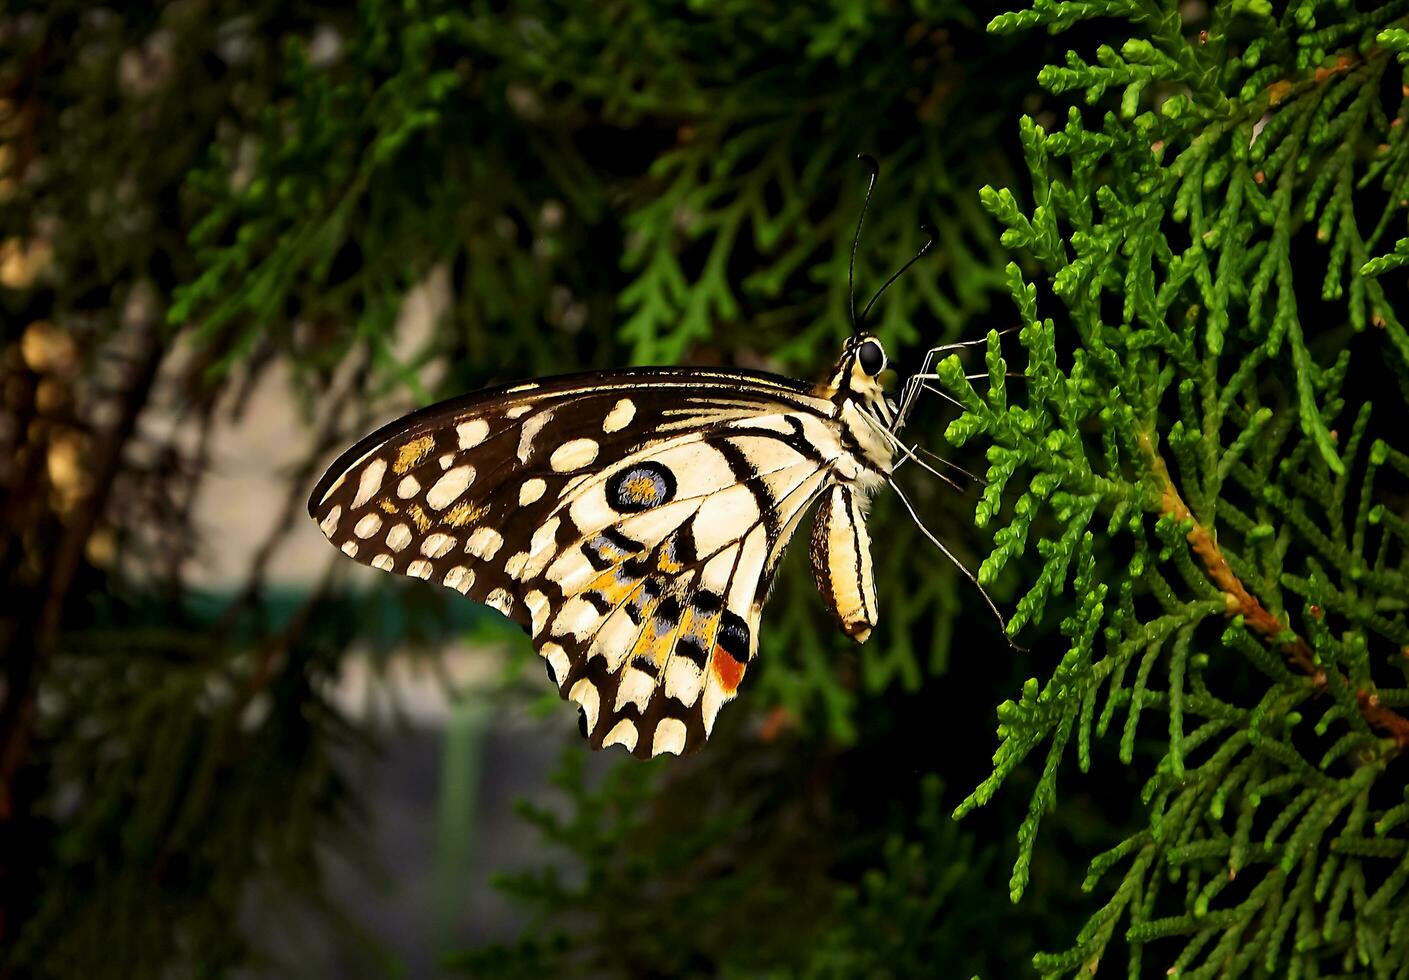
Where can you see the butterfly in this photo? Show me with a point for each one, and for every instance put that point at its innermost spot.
(632, 521)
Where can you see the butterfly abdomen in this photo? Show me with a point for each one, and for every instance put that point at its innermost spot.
(841, 561)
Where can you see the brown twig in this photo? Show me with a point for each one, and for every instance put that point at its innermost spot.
(1256, 617)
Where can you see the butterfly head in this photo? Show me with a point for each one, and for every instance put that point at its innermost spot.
(858, 373)
(857, 378)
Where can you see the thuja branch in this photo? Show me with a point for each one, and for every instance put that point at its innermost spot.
(1254, 614)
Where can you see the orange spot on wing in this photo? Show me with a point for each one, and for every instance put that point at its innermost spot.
(728, 670)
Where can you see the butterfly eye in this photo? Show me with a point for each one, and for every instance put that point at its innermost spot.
(871, 358)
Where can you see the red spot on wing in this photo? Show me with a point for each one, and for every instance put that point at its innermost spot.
(727, 669)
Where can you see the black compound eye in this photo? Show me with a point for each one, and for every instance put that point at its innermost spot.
(871, 358)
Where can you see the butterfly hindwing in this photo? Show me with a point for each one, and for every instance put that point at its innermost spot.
(630, 522)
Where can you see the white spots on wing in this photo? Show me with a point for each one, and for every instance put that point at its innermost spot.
(437, 544)
(620, 416)
(670, 737)
(750, 568)
(420, 568)
(526, 386)
(558, 660)
(571, 570)
(408, 487)
(501, 600)
(614, 639)
(370, 482)
(368, 526)
(459, 578)
(398, 537)
(518, 411)
(577, 617)
(573, 454)
(514, 566)
(584, 692)
(472, 433)
(383, 561)
(484, 543)
(540, 548)
(682, 680)
(635, 688)
(622, 733)
(447, 461)
(544, 536)
(349, 548)
(528, 431)
(329, 524)
(538, 609)
(531, 491)
(714, 697)
(450, 485)
(718, 570)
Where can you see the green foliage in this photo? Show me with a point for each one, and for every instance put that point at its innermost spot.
(646, 855)
(1194, 458)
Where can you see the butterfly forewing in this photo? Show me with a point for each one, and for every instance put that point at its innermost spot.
(629, 521)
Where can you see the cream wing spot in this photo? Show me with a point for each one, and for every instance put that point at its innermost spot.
(368, 526)
(531, 490)
(449, 487)
(620, 416)
(528, 431)
(460, 579)
(398, 537)
(538, 609)
(518, 411)
(383, 561)
(635, 688)
(514, 566)
(484, 543)
(501, 600)
(584, 692)
(573, 454)
(558, 660)
(437, 544)
(472, 433)
(420, 568)
(408, 487)
(329, 524)
(370, 482)
(670, 737)
(682, 681)
(577, 618)
(447, 461)
(623, 733)
(710, 703)
(349, 548)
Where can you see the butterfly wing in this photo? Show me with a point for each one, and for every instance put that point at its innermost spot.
(630, 522)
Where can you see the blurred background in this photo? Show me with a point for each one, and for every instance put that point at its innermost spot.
(236, 237)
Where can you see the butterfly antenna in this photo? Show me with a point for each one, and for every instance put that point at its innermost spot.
(957, 564)
(928, 230)
(875, 169)
(953, 466)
